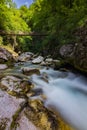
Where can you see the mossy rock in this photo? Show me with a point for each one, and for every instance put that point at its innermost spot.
(41, 116)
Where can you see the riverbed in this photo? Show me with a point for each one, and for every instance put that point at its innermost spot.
(65, 91)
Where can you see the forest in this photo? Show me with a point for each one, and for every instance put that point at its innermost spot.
(58, 20)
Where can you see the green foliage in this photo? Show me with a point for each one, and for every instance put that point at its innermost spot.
(58, 19)
(24, 43)
(11, 20)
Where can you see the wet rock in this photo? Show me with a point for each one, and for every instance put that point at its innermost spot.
(45, 77)
(30, 71)
(3, 66)
(38, 60)
(49, 60)
(43, 63)
(64, 70)
(5, 55)
(26, 86)
(56, 61)
(10, 83)
(15, 86)
(36, 92)
(41, 116)
(26, 56)
(46, 63)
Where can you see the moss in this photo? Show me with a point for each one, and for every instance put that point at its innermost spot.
(63, 125)
(13, 93)
(26, 86)
(3, 123)
(10, 63)
(15, 117)
(41, 116)
(14, 123)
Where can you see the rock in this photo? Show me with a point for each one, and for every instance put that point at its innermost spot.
(11, 113)
(3, 66)
(80, 56)
(8, 106)
(56, 61)
(15, 86)
(25, 124)
(75, 55)
(36, 92)
(35, 56)
(41, 116)
(66, 51)
(45, 77)
(49, 60)
(38, 60)
(5, 55)
(30, 71)
(57, 64)
(43, 63)
(26, 56)
(11, 83)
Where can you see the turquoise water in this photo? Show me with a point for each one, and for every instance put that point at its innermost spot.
(66, 92)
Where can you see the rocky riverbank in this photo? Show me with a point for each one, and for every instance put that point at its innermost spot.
(19, 109)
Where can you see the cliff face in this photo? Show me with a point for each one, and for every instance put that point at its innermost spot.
(80, 57)
(76, 54)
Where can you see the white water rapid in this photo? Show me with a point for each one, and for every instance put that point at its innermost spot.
(66, 93)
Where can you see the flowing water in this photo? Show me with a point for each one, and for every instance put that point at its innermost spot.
(66, 92)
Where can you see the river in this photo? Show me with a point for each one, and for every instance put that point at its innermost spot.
(66, 93)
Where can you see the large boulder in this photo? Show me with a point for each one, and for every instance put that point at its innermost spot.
(15, 86)
(12, 115)
(75, 55)
(66, 51)
(77, 52)
(8, 107)
(80, 57)
(5, 55)
(26, 56)
(38, 60)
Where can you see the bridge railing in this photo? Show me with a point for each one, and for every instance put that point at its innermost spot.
(3, 33)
